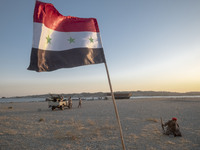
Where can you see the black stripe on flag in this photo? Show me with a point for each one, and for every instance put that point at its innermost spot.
(45, 60)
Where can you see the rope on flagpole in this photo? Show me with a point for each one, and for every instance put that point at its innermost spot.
(115, 106)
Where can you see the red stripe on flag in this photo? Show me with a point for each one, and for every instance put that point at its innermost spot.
(47, 14)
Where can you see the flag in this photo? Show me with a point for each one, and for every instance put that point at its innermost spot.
(63, 41)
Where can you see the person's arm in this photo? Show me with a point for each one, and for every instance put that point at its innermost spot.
(165, 124)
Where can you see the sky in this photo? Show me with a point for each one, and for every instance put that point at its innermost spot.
(148, 44)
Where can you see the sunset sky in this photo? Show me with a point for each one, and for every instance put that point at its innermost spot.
(148, 45)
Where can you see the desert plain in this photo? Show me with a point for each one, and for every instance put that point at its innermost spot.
(34, 126)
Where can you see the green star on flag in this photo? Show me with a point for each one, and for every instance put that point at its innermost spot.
(71, 40)
(48, 39)
(91, 40)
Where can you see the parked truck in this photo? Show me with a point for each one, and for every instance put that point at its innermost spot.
(58, 102)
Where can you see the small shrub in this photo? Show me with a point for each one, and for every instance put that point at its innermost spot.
(91, 122)
(41, 119)
(152, 120)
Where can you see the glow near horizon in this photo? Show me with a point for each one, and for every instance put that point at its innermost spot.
(148, 46)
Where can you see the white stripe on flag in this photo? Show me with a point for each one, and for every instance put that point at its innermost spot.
(59, 41)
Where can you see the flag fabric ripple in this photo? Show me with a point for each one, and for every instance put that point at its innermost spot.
(63, 41)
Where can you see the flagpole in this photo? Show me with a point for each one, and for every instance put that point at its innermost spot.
(115, 106)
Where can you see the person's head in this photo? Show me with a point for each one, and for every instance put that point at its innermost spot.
(174, 119)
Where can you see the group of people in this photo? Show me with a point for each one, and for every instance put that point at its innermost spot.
(70, 102)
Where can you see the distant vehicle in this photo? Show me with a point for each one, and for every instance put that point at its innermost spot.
(58, 102)
(119, 95)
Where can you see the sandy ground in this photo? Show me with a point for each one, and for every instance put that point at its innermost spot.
(32, 125)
